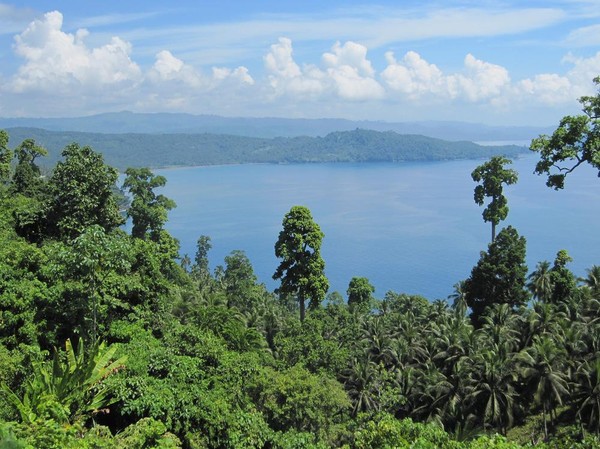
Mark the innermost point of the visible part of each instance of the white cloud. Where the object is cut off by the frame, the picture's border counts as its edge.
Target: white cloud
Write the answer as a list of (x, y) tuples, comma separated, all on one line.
[(413, 76), (285, 76), (416, 78), (588, 36), (352, 73), (351, 55), (554, 89), (55, 60), (348, 73), (481, 80)]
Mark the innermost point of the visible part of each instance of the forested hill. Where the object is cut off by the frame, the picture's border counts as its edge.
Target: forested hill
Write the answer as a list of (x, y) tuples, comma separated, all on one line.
[(166, 150)]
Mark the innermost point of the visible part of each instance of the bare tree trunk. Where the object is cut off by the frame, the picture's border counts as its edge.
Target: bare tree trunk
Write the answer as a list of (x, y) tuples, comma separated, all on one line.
[(302, 309)]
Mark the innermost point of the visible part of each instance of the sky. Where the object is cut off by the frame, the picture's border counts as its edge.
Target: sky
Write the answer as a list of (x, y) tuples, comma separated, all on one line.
[(493, 62)]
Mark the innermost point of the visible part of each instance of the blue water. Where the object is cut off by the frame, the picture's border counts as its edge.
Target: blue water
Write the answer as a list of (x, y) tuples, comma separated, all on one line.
[(407, 227)]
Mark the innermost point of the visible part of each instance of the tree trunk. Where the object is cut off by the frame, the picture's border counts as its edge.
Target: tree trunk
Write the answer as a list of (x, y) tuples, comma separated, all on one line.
[(302, 309), (493, 231), (545, 422)]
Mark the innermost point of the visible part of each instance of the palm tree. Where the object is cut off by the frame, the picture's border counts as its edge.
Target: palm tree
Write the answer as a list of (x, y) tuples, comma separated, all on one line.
[(450, 393), (363, 386), (493, 395), (545, 375), (540, 282), (377, 340), (542, 319), (459, 299), (501, 325), (592, 280), (587, 393)]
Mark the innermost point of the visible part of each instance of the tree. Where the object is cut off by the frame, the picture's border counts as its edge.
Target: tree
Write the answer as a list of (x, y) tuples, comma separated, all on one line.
[(81, 195), (27, 178), (203, 246), (576, 141), (492, 176), (564, 283), (148, 211), (5, 157), (301, 269), (240, 281), (540, 282), (499, 276), (545, 374), (360, 292)]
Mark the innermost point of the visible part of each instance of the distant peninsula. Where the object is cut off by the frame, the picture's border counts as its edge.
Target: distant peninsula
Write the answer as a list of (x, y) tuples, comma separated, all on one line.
[(124, 150)]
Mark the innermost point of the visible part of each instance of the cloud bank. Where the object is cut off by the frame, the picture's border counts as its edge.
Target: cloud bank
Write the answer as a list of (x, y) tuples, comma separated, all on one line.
[(61, 74)]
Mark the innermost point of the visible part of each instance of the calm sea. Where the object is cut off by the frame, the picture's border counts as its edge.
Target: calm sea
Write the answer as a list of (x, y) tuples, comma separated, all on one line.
[(407, 227)]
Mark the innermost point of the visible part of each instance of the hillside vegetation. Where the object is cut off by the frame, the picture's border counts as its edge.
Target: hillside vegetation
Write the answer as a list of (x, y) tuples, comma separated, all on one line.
[(167, 150)]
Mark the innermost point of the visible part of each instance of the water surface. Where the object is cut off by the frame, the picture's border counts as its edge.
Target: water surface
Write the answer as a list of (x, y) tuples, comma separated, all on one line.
[(408, 227)]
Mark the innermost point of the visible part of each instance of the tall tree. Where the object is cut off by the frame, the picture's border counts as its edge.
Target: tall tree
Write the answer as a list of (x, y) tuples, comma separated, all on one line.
[(499, 276), (302, 268), (5, 157), (492, 175), (148, 211), (27, 178), (576, 141), (81, 191), (564, 282), (203, 246)]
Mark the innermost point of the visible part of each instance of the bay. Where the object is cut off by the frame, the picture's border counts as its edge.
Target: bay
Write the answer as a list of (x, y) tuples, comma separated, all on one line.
[(408, 227)]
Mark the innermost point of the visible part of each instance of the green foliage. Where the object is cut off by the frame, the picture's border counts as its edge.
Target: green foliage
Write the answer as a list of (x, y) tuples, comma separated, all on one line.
[(573, 143), (148, 210), (168, 150), (6, 156), (27, 178), (360, 293), (499, 276), (218, 362), (69, 390), (492, 175), (296, 399), (301, 269), (81, 195)]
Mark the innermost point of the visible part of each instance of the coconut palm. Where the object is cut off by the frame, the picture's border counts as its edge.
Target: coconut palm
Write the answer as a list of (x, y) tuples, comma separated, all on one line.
[(587, 394), (592, 280), (363, 385), (493, 395), (545, 375), (540, 282)]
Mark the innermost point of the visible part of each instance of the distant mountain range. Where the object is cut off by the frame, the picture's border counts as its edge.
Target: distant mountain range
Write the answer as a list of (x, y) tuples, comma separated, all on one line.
[(168, 123), (153, 150)]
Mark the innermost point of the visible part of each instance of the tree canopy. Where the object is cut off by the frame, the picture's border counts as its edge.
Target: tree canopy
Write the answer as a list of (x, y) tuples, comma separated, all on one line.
[(492, 175), (576, 141), (302, 268)]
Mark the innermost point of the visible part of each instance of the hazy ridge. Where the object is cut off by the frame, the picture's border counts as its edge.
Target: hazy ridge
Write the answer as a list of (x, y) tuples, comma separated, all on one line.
[(171, 123), (124, 150)]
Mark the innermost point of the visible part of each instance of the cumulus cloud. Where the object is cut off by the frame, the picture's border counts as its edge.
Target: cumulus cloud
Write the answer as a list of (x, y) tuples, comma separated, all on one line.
[(347, 73), (413, 76), (480, 81), (554, 89), (352, 73), (416, 78), (58, 60), (286, 77), (58, 64)]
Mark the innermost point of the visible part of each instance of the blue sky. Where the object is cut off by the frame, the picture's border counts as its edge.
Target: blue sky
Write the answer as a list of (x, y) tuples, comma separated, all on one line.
[(494, 62)]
